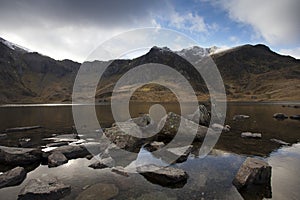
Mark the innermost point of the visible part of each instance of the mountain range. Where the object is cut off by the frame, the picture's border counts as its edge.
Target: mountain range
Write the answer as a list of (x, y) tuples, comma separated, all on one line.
[(249, 72)]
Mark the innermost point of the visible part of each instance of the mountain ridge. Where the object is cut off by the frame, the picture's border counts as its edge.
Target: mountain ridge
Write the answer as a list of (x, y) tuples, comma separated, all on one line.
[(250, 72)]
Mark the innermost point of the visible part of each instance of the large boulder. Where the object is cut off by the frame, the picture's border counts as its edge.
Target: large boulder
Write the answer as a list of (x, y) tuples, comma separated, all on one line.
[(12, 177), (99, 191), (48, 188), (251, 135), (56, 159), (19, 156), (253, 171), (164, 176), (201, 116), (122, 139), (72, 151), (169, 127)]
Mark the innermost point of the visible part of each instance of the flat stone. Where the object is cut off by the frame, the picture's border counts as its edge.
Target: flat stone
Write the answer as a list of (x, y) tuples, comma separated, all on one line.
[(279, 141), (164, 176), (48, 188), (56, 159), (19, 156), (103, 163), (253, 171), (251, 135), (240, 117), (12, 177), (100, 191)]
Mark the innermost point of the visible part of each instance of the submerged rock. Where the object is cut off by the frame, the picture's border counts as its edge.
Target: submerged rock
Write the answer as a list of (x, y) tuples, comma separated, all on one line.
[(56, 159), (3, 136), (251, 135), (239, 117), (253, 171), (19, 156), (12, 177), (47, 188), (103, 163), (99, 191), (164, 176), (156, 195), (280, 116)]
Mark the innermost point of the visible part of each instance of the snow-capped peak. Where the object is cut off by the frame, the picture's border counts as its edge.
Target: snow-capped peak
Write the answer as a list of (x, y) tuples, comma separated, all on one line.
[(13, 46)]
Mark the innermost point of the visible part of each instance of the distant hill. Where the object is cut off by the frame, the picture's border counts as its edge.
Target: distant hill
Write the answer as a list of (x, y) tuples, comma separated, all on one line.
[(249, 72)]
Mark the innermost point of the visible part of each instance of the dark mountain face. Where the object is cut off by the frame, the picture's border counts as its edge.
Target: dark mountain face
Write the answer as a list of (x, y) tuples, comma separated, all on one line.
[(249, 73)]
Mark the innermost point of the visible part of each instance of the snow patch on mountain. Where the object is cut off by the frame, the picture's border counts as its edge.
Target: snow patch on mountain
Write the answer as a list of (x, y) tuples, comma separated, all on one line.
[(14, 46)]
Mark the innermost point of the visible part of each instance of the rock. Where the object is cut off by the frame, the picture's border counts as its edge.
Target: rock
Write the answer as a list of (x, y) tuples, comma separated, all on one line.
[(181, 152), (24, 142), (72, 152), (89, 157), (122, 139), (202, 115), (295, 117), (251, 135), (239, 117), (103, 163), (3, 136), (99, 191), (47, 188), (19, 156), (25, 128), (120, 170), (143, 121), (57, 144), (280, 116), (219, 127), (56, 159), (12, 177), (164, 176), (153, 146), (279, 141), (169, 128), (253, 171)]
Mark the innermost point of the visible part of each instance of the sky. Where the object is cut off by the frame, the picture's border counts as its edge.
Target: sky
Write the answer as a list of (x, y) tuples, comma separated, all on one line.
[(72, 29)]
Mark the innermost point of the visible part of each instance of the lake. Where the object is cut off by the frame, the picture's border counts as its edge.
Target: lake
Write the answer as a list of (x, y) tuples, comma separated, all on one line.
[(209, 177)]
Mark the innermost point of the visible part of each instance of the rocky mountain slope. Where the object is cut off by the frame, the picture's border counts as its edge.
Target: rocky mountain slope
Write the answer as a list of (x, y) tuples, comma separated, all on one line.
[(249, 72)]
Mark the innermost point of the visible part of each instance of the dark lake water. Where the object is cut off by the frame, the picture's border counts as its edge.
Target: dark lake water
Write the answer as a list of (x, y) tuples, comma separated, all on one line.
[(209, 177)]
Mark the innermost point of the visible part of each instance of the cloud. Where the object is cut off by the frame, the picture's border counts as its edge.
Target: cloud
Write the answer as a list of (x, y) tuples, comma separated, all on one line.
[(295, 52), (188, 22), (277, 21), (73, 28)]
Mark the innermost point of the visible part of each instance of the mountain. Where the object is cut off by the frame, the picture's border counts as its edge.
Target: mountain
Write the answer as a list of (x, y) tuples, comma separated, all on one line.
[(249, 73)]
